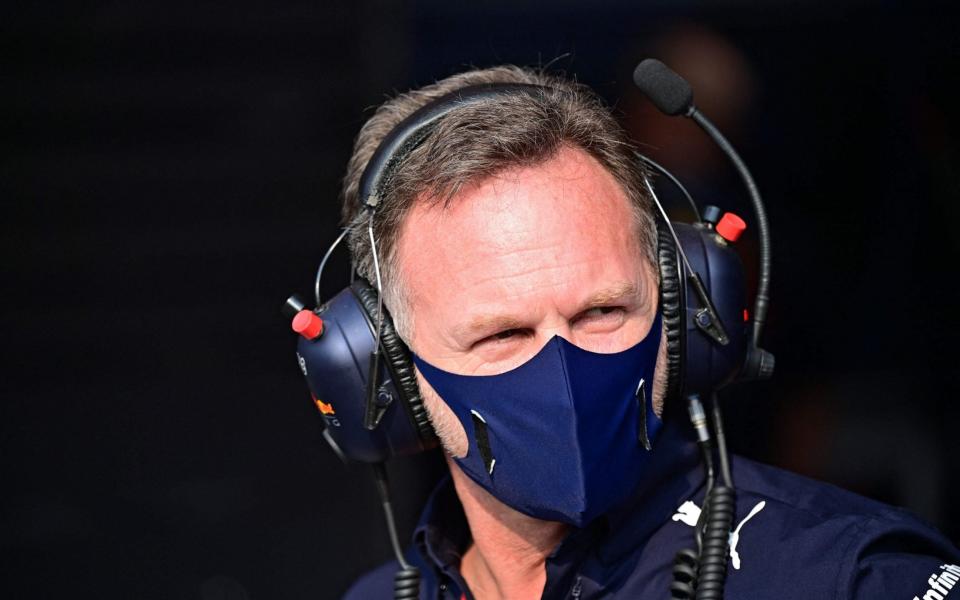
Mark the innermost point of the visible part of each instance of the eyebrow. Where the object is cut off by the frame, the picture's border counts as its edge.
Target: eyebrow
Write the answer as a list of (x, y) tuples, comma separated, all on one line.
[(614, 293), (493, 323)]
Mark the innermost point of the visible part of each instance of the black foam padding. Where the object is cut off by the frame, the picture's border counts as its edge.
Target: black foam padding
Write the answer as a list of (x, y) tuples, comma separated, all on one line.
[(669, 92), (398, 360), (671, 307)]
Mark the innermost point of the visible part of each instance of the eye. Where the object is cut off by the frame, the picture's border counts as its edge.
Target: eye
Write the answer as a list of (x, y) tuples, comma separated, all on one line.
[(600, 319), (507, 335)]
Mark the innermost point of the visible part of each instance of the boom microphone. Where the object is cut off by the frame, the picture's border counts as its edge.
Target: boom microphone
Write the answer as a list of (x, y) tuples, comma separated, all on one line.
[(672, 95), (669, 92)]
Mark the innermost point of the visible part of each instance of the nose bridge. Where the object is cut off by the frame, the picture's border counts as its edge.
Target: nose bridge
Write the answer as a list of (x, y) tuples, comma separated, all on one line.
[(554, 324)]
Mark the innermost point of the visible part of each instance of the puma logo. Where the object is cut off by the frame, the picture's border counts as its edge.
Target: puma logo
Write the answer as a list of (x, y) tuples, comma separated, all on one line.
[(689, 513)]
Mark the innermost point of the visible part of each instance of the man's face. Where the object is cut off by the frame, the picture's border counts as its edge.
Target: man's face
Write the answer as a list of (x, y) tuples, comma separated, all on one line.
[(516, 259)]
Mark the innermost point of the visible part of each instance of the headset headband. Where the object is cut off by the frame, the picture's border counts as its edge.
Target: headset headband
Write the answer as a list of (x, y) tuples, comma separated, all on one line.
[(409, 133)]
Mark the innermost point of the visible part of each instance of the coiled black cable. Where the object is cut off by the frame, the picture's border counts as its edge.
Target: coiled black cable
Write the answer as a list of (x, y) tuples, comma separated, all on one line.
[(685, 567), (701, 574), (719, 511), (718, 507), (406, 583)]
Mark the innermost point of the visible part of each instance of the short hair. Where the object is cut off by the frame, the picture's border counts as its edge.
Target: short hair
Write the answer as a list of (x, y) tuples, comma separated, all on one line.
[(477, 141)]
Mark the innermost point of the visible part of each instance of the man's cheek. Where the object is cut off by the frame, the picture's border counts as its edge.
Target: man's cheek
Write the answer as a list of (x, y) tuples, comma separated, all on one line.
[(448, 427)]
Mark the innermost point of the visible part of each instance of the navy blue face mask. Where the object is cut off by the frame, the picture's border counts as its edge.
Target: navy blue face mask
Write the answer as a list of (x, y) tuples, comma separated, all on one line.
[(563, 437)]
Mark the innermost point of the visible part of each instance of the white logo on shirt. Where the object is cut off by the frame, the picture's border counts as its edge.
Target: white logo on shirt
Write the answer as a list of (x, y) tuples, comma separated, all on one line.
[(735, 536), (941, 583), (689, 514)]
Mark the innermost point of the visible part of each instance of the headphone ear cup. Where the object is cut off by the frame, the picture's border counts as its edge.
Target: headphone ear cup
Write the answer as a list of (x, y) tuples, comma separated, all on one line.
[(672, 310), (399, 362)]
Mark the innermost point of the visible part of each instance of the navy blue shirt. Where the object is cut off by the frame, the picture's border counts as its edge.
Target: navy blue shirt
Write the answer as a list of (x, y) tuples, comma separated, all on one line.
[(793, 538)]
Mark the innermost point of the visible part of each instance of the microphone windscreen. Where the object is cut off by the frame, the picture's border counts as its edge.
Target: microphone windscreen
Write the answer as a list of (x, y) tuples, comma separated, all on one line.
[(668, 91)]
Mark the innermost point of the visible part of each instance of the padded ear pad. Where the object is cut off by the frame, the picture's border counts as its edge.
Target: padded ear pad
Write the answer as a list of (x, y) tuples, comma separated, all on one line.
[(671, 306), (398, 361)]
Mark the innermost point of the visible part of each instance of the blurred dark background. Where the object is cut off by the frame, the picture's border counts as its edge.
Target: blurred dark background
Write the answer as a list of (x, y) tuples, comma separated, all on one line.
[(169, 174)]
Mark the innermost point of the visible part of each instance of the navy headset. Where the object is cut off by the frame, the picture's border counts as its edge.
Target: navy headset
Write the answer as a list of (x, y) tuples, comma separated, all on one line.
[(371, 405), (360, 373)]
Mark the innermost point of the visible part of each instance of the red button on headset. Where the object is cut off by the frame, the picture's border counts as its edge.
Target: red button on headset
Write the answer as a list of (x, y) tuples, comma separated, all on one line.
[(307, 324), (730, 227)]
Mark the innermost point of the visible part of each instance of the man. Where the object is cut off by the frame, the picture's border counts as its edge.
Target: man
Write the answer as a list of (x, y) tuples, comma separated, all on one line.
[(517, 243)]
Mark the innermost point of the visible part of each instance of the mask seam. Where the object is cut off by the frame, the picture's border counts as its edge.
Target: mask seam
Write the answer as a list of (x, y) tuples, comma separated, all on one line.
[(582, 492)]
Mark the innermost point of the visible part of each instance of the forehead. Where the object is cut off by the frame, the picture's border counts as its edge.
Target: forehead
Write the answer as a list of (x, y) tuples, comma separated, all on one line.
[(539, 227)]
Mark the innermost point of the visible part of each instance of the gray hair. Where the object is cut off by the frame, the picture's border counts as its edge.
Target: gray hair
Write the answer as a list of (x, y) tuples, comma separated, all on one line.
[(475, 142)]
